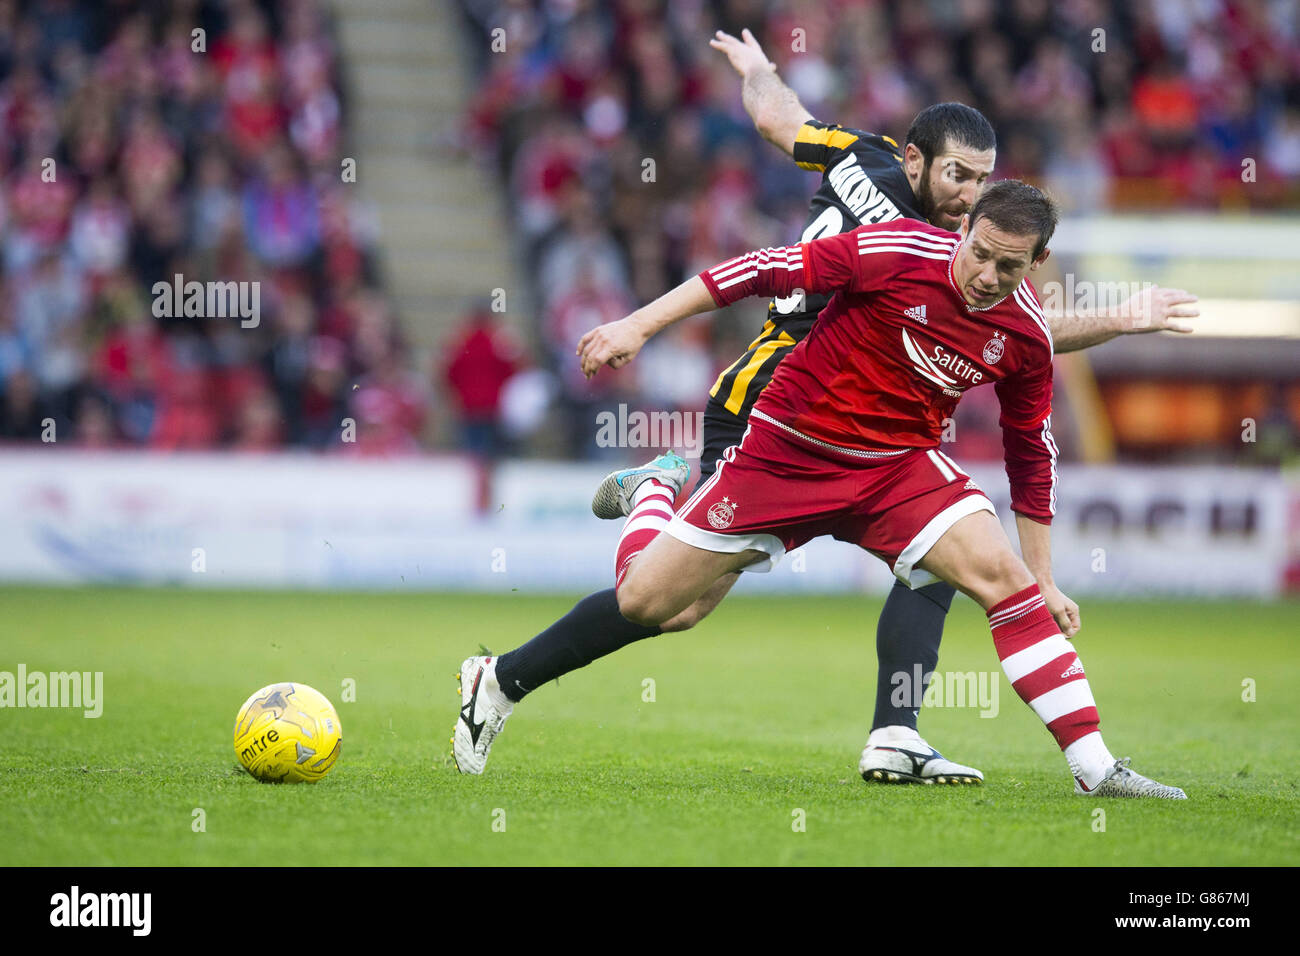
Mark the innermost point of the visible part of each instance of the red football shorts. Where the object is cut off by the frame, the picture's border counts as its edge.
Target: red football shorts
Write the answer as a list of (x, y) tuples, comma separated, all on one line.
[(774, 492)]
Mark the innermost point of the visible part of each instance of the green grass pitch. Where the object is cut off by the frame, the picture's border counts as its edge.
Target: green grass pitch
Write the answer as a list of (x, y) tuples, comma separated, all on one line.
[(759, 713)]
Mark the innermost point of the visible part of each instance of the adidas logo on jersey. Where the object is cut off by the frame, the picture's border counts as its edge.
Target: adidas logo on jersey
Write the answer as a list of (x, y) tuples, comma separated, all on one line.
[(916, 312), (1075, 668)]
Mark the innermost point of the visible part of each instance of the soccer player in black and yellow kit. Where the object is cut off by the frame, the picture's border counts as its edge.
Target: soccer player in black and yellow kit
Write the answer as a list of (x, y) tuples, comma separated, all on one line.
[(936, 176)]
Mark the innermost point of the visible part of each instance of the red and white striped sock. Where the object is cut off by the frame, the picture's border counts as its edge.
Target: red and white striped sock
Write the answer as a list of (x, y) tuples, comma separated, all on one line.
[(1048, 675), (652, 509)]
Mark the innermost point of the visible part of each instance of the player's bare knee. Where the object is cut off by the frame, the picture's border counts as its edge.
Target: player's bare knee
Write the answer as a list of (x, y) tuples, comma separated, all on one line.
[(994, 576), (639, 606), (1007, 574), (631, 604)]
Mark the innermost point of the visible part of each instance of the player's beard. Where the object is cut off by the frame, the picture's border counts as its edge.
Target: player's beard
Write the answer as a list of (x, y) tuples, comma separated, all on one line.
[(925, 195), (925, 203)]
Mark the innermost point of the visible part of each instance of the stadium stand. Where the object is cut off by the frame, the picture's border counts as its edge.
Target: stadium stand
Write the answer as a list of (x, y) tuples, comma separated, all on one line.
[(1114, 106), (127, 160), (143, 141)]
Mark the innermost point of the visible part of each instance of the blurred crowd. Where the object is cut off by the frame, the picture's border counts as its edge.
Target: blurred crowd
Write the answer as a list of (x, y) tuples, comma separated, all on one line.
[(140, 141), (632, 164)]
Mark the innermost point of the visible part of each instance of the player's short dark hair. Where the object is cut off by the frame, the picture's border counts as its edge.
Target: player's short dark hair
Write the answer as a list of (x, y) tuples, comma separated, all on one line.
[(1018, 208), (944, 124)]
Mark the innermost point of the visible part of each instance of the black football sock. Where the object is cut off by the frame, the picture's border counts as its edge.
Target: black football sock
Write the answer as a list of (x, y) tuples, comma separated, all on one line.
[(591, 630), (907, 644)]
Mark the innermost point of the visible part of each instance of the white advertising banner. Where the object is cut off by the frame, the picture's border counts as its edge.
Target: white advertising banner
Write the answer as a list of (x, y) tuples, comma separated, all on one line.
[(301, 521), (227, 520)]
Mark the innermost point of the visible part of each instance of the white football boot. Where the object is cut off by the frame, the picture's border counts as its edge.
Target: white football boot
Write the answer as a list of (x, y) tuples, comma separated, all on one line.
[(1123, 782), (900, 755), (483, 712), (613, 499)]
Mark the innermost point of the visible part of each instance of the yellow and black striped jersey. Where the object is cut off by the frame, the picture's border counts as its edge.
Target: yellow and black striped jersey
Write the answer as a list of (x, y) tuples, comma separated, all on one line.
[(862, 181)]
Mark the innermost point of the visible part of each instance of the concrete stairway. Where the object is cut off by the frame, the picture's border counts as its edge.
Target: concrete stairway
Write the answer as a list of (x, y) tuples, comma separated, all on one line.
[(443, 231)]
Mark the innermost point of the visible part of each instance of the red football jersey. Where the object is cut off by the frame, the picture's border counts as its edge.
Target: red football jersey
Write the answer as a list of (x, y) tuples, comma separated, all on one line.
[(891, 354)]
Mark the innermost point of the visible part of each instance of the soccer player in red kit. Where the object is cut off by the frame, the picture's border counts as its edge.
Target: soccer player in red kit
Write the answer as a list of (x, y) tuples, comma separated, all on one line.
[(845, 442)]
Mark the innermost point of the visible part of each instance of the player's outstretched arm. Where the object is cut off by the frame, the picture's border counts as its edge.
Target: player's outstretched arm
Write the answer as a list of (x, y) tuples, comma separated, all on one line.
[(773, 106), (1036, 550), (1154, 309), (826, 265), (617, 343)]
